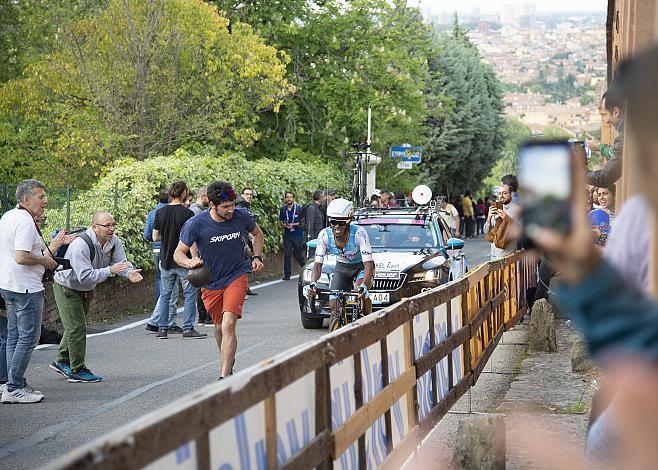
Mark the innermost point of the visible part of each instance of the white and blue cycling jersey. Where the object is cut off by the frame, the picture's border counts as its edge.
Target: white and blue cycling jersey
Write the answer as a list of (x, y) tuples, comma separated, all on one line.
[(356, 251)]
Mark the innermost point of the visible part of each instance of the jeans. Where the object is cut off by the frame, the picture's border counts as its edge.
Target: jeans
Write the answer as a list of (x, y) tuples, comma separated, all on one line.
[(24, 313), (169, 278), (292, 245), (173, 301), (3, 349)]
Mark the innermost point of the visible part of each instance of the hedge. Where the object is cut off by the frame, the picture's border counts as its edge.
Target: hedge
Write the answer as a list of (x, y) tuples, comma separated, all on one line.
[(137, 185)]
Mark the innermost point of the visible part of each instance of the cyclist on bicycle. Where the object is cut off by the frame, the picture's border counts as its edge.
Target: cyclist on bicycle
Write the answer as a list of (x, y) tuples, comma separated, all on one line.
[(355, 267)]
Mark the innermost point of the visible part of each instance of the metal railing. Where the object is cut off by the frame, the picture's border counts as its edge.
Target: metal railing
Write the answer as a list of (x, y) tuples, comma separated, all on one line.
[(366, 394)]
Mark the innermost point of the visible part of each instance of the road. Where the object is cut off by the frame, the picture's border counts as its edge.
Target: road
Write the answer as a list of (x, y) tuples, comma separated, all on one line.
[(142, 374)]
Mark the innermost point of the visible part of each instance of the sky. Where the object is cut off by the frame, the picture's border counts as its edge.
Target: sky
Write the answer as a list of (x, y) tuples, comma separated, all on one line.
[(467, 6)]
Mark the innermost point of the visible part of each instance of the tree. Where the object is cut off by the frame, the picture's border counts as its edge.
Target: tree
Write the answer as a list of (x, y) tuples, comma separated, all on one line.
[(465, 116), (514, 133), (141, 78), (345, 56)]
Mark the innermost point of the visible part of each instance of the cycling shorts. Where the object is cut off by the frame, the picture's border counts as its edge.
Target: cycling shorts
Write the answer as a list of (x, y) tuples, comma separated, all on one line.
[(345, 276)]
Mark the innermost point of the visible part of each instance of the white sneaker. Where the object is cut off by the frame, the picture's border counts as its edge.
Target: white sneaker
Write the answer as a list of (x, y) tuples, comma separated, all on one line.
[(20, 395)]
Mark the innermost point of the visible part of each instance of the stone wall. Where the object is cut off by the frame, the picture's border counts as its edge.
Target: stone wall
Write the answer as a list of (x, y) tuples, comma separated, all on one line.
[(118, 297)]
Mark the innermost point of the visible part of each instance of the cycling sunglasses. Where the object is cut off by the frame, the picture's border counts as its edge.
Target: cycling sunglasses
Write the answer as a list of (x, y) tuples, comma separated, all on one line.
[(338, 223)]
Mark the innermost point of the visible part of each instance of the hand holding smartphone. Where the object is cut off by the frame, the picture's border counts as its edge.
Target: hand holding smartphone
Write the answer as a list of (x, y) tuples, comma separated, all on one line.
[(545, 179)]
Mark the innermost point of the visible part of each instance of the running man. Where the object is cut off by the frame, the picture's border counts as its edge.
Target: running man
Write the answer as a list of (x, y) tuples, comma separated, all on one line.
[(218, 234), (355, 267)]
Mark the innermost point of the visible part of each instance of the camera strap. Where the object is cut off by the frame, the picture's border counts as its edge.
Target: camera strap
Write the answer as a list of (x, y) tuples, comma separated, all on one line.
[(38, 231)]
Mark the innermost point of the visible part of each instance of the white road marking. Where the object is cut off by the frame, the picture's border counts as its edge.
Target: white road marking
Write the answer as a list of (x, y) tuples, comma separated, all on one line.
[(130, 326)]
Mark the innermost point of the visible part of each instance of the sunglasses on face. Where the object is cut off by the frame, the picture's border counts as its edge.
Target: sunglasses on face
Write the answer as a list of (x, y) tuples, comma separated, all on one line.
[(338, 223)]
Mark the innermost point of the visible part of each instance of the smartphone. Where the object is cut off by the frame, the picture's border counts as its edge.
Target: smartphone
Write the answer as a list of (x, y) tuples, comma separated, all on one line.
[(581, 149), (498, 205), (545, 183)]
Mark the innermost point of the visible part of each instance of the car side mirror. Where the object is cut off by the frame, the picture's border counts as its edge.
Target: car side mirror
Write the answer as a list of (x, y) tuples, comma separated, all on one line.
[(454, 244), (312, 243)]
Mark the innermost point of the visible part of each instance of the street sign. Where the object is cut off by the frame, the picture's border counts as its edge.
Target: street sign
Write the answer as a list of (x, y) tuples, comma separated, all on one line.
[(405, 165), (407, 153)]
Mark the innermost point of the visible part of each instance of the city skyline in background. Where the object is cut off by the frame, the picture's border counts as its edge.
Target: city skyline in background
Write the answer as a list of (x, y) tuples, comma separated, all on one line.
[(434, 7)]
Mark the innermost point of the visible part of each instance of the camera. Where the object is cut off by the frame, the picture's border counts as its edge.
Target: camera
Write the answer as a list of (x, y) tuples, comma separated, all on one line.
[(62, 264)]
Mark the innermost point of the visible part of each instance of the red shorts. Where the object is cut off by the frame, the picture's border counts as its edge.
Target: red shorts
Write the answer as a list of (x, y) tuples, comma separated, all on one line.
[(229, 299)]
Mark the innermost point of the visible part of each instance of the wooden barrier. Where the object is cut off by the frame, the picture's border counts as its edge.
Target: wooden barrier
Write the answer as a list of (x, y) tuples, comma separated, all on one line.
[(373, 389)]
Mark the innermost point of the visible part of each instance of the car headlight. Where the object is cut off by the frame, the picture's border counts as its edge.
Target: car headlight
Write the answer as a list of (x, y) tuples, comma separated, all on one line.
[(324, 277), (430, 275)]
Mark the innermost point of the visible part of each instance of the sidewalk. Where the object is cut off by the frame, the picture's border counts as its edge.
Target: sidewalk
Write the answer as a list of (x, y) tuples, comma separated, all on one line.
[(539, 384)]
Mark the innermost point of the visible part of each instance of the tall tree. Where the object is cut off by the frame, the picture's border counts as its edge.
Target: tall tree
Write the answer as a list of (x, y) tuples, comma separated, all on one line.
[(464, 117), (345, 56), (144, 77)]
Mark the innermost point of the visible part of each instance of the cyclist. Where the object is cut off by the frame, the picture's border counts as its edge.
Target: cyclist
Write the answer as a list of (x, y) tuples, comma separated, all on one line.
[(354, 265)]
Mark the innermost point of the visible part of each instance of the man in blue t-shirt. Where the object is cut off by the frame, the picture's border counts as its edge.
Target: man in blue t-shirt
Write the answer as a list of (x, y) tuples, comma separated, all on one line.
[(218, 234), (293, 234)]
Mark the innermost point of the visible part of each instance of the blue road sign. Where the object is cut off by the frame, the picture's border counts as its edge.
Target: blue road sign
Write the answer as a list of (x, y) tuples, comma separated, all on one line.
[(407, 154)]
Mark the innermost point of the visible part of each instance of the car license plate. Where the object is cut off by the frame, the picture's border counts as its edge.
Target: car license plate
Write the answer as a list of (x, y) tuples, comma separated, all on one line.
[(380, 297)]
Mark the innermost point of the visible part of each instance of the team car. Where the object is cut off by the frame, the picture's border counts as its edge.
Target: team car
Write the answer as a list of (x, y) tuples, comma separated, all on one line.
[(413, 251)]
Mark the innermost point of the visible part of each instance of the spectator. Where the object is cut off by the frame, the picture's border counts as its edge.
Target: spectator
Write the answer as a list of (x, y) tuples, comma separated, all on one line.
[(469, 214), (188, 202), (496, 216), (594, 195), (3, 345), (23, 265), (199, 206), (619, 322), (487, 205), (330, 195), (201, 203), (606, 198), (219, 235), (74, 288), (387, 199), (613, 106), (167, 228), (513, 182), (244, 200), (152, 322), (293, 235), (374, 201), (314, 219), (480, 210), (400, 200), (449, 213)]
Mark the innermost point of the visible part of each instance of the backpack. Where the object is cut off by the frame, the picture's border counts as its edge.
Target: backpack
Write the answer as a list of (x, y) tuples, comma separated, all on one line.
[(81, 232), (302, 215)]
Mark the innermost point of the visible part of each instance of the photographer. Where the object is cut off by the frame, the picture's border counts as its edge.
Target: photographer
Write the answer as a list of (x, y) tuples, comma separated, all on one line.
[(23, 266), (74, 288)]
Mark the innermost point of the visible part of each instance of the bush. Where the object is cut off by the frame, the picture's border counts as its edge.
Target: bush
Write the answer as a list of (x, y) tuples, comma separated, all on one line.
[(136, 186)]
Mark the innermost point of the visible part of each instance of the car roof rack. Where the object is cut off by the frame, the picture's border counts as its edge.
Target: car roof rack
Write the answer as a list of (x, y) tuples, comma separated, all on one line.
[(423, 211)]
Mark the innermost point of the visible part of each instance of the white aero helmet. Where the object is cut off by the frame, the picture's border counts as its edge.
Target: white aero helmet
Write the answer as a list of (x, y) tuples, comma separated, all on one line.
[(340, 209)]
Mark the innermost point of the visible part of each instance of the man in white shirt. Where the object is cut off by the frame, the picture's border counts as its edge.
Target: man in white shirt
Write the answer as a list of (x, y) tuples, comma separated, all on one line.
[(23, 264), (449, 213)]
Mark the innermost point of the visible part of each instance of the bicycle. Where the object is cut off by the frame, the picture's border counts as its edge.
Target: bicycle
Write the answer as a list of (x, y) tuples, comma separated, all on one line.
[(345, 299)]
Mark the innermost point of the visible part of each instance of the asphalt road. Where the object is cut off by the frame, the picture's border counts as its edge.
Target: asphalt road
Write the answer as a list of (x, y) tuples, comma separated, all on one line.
[(142, 374)]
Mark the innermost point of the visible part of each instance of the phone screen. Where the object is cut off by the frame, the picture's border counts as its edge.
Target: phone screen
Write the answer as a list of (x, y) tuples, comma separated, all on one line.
[(545, 185)]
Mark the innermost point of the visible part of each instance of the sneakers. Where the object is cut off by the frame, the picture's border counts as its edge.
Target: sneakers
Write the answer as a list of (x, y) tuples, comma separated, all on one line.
[(162, 333), (175, 330), (250, 292), (151, 328), (21, 395), (61, 368), (193, 334), (84, 375)]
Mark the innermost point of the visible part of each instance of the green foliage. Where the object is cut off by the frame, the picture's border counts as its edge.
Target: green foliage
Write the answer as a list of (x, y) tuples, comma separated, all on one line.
[(345, 56), (137, 184), (514, 133), (139, 79), (465, 117)]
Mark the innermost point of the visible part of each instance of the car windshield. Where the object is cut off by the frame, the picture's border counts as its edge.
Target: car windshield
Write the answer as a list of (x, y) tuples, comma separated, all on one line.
[(400, 233)]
